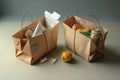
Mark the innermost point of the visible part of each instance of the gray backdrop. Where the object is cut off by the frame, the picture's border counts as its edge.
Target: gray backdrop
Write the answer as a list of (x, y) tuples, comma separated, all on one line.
[(105, 10)]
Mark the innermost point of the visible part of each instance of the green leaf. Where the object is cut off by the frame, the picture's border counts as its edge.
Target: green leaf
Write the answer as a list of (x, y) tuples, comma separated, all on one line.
[(87, 34)]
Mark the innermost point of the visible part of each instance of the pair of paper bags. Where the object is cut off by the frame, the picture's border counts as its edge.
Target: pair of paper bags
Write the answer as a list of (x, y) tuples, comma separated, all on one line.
[(35, 48)]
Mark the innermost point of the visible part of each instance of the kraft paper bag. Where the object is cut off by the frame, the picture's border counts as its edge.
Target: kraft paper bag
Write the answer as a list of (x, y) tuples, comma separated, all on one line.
[(82, 45), (32, 49)]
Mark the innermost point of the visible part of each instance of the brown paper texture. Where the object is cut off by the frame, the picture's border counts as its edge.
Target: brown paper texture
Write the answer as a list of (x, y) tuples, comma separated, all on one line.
[(32, 49), (80, 44)]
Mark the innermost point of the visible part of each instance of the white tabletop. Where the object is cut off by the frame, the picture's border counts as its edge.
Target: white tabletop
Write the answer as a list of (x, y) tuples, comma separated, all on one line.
[(106, 68)]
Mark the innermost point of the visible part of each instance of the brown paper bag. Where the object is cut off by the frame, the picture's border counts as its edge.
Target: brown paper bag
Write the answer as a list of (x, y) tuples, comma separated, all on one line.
[(80, 44), (32, 49)]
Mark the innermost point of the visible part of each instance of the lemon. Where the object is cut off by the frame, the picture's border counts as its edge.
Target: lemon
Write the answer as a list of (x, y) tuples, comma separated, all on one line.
[(66, 56)]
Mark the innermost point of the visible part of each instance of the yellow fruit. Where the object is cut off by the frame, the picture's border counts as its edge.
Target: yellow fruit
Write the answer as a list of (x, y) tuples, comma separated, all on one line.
[(79, 30), (66, 56)]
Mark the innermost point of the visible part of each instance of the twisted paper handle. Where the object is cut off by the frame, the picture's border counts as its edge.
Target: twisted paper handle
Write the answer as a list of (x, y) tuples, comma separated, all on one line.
[(99, 26), (27, 14)]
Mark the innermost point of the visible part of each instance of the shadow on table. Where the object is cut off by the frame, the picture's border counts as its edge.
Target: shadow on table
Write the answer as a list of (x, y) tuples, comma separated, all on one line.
[(56, 53), (73, 61), (112, 57)]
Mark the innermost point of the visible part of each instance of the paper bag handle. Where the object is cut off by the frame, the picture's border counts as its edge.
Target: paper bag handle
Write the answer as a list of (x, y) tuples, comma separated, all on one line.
[(99, 26), (27, 14)]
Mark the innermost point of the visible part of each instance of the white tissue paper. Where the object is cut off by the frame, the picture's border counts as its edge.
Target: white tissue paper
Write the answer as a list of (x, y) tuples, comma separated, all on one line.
[(38, 30), (51, 21), (51, 18)]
